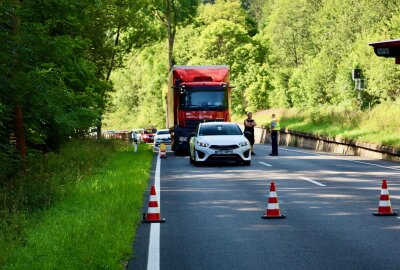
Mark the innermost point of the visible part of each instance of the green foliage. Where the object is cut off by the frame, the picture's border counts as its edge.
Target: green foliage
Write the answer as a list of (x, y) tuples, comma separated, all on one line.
[(91, 197), (315, 44), (56, 59), (222, 33), (139, 100), (375, 126)]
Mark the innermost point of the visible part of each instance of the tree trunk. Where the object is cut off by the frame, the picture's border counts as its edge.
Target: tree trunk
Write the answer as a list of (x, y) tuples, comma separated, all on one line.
[(18, 124), (110, 69), (171, 28), (98, 130), (112, 64), (19, 132)]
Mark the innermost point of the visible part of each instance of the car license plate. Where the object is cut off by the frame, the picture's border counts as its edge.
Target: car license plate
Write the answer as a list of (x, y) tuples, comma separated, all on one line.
[(223, 152)]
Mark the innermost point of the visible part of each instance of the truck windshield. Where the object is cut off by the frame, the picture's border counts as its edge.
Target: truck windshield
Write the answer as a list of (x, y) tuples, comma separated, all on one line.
[(205, 98)]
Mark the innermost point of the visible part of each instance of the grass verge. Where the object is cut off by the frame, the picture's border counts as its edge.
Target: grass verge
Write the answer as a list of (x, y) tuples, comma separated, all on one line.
[(379, 125), (92, 224)]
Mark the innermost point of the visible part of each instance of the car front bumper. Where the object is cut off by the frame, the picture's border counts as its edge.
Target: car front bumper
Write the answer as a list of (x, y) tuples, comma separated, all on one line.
[(159, 141), (209, 154)]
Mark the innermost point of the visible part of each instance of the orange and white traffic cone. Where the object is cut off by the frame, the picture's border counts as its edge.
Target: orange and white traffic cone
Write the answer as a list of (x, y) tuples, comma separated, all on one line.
[(153, 212), (273, 211), (163, 149), (385, 208)]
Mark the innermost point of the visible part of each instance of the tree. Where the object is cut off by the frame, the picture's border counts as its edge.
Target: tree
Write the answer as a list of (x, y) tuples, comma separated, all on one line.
[(172, 13)]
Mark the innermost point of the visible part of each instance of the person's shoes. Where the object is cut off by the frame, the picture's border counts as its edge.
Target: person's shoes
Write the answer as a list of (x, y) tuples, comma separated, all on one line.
[(253, 154), (273, 154)]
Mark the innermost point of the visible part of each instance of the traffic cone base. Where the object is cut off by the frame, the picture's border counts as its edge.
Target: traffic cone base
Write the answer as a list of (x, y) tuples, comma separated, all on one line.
[(384, 214), (272, 217), (152, 219), (385, 207)]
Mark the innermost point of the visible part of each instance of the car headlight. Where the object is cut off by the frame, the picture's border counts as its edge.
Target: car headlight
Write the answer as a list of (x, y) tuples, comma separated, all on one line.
[(244, 143), (203, 144)]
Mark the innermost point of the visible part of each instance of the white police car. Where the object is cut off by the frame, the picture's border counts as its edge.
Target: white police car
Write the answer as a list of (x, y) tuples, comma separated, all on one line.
[(219, 141)]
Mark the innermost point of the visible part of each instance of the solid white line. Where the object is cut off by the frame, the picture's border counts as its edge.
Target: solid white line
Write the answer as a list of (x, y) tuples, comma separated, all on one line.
[(266, 164), (312, 181), (153, 261)]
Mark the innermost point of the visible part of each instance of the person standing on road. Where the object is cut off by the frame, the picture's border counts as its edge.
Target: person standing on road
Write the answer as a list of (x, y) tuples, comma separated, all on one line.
[(274, 131), (249, 125)]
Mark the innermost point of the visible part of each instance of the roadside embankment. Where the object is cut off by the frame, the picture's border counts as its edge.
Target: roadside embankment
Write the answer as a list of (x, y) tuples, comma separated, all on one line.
[(329, 144)]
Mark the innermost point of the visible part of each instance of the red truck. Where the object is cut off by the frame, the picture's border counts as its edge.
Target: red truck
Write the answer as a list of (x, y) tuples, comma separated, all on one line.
[(196, 94)]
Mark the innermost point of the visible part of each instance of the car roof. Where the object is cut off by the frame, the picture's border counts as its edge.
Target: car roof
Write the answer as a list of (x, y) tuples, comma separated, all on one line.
[(217, 123)]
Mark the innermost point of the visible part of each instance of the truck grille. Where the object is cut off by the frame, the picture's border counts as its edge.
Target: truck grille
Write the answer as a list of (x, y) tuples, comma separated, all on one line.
[(192, 124), (224, 147)]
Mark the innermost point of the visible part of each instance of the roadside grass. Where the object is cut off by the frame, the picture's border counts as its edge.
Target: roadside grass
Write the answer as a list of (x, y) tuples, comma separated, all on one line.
[(379, 125), (92, 221)]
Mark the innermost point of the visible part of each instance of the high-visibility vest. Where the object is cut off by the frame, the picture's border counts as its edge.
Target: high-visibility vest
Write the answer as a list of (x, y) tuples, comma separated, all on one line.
[(277, 125)]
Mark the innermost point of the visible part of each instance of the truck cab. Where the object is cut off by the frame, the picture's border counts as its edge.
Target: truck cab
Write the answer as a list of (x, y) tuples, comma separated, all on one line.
[(196, 94)]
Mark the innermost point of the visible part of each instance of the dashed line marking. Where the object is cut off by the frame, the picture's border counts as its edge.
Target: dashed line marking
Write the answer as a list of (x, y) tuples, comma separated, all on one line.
[(338, 158), (266, 164), (312, 181)]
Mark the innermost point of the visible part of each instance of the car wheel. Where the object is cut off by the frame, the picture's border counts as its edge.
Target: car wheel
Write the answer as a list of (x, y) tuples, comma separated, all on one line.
[(247, 162), (195, 162)]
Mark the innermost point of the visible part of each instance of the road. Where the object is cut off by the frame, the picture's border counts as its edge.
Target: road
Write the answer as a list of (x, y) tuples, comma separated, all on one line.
[(213, 214)]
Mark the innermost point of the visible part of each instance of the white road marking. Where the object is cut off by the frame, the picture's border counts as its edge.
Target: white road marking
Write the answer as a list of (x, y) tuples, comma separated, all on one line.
[(312, 181), (153, 261), (332, 157), (266, 164)]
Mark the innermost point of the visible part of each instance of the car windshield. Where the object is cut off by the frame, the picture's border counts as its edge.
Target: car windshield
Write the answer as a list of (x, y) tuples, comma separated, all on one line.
[(162, 132), (215, 130), (209, 98), (149, 131)]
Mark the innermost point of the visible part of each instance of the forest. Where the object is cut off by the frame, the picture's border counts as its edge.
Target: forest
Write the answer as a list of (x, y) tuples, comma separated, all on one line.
[(68, 66), (71, 67), (282, 54)]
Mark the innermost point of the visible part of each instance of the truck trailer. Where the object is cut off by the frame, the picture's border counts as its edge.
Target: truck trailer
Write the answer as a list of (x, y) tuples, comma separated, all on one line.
[(196, 94)]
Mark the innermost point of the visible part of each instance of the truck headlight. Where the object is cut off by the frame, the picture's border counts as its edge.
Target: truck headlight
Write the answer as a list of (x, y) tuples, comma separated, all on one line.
[(203, 144), (245, 143)]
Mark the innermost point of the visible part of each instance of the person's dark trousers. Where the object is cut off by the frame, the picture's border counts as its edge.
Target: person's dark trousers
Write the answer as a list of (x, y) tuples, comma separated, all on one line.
[(274, 142)]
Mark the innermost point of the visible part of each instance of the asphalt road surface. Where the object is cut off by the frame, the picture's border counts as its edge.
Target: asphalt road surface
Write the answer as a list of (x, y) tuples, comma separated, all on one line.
[(213, 214)]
